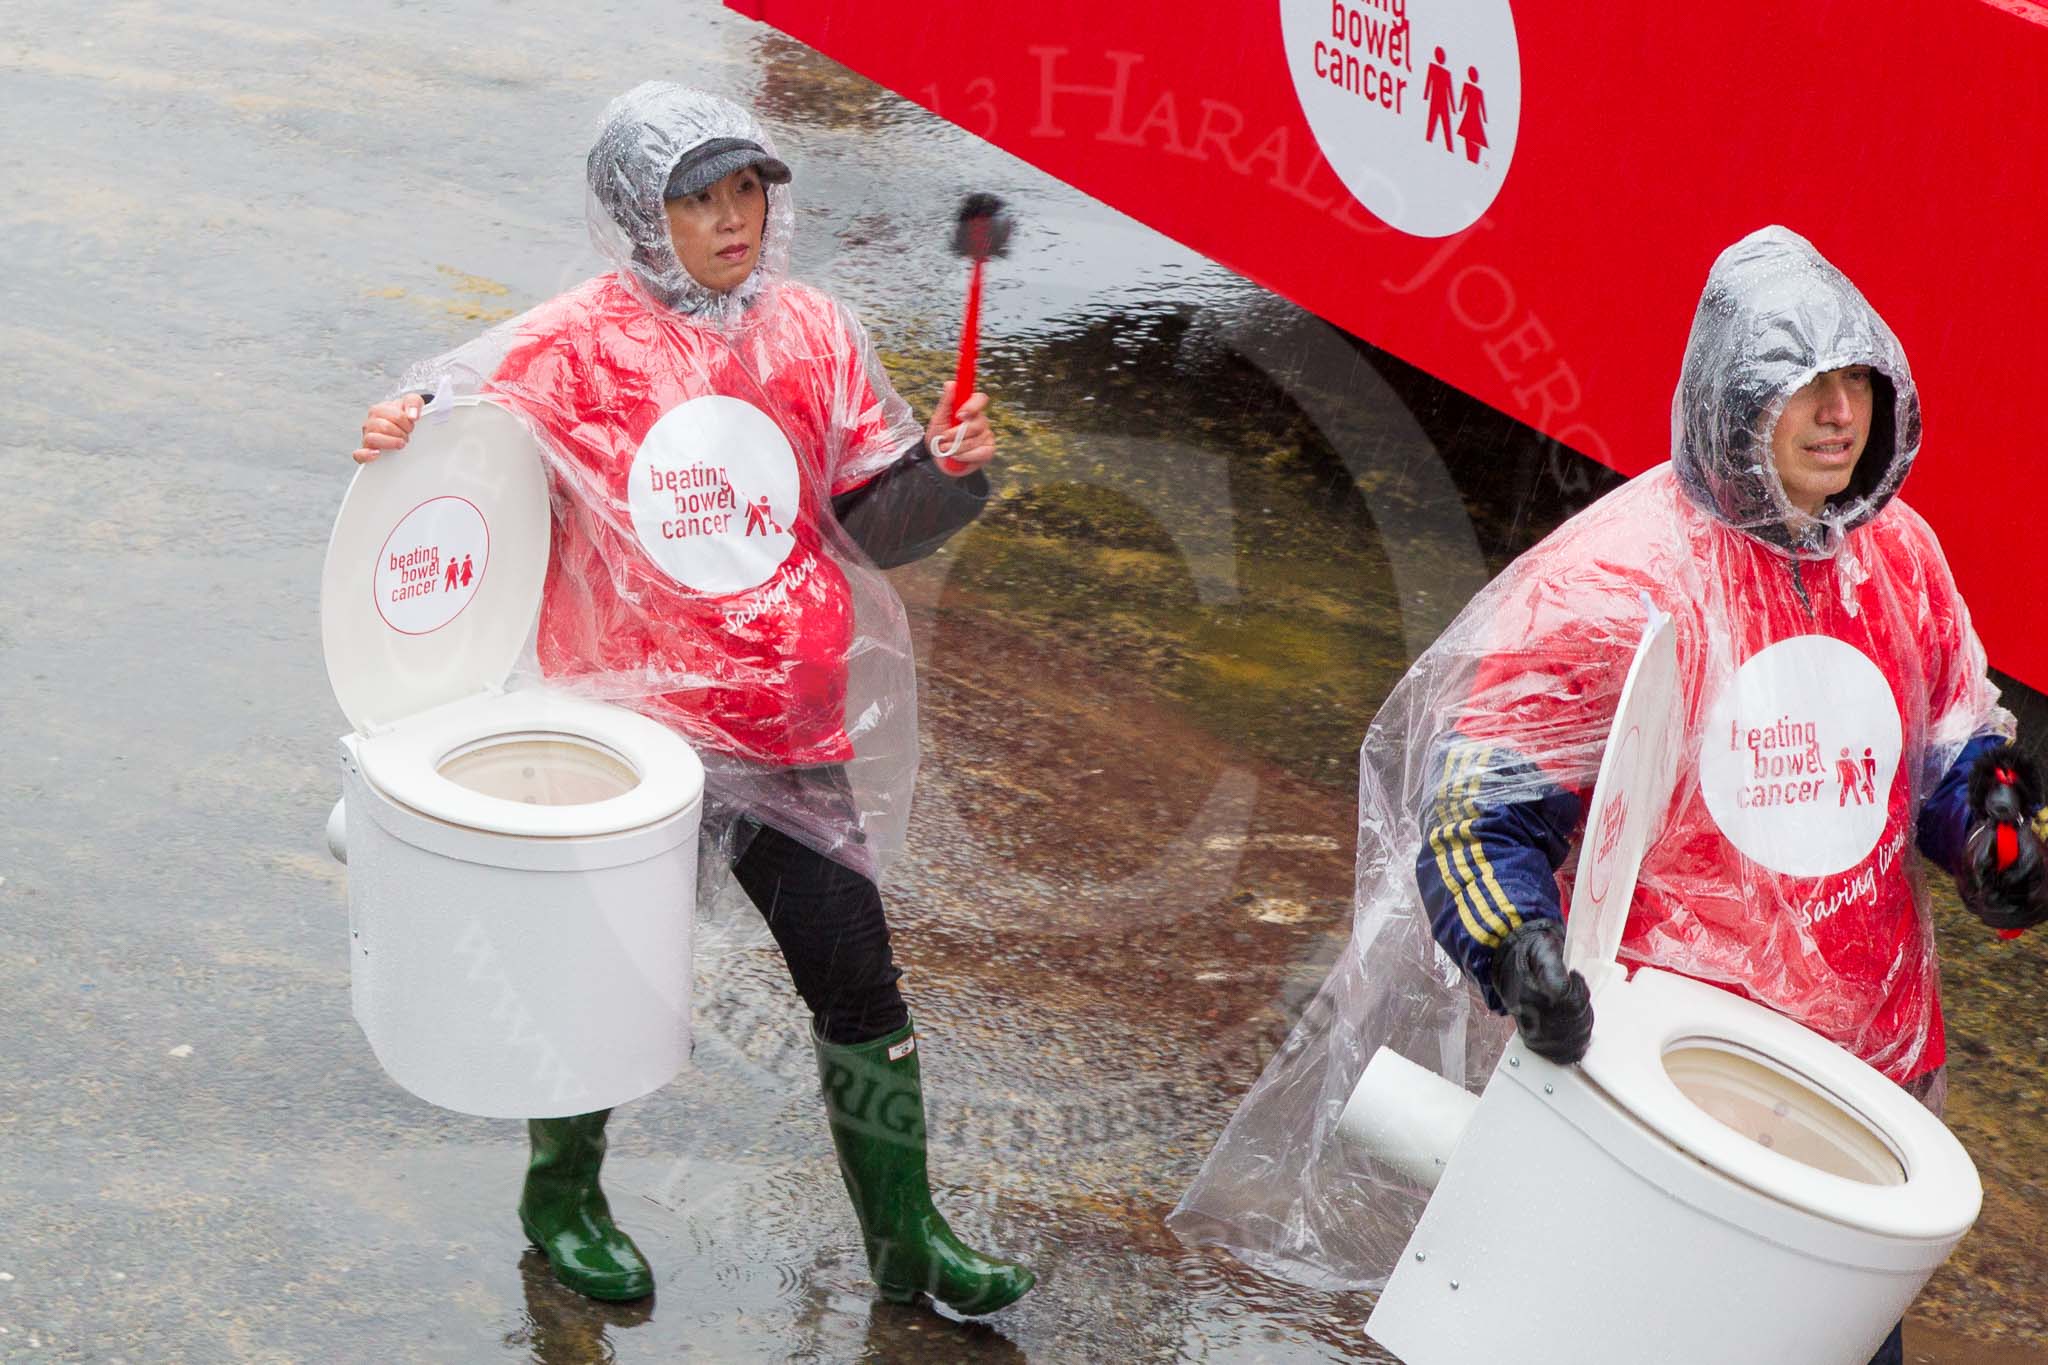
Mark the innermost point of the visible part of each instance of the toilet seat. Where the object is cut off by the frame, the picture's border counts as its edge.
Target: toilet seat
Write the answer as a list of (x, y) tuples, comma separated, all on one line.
[(1640, 1019), (405, 763), (1644, 1018), (432, 583), (436, 565)]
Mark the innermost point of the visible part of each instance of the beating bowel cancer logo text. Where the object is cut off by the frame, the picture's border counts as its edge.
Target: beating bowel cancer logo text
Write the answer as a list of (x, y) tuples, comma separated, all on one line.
[(1799, 755), (713, 492), (1415, 104), (1613, 818), (430, 566)]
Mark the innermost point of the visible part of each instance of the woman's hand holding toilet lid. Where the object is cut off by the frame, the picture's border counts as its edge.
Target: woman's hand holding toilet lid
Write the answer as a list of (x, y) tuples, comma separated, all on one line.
[(388, 426)]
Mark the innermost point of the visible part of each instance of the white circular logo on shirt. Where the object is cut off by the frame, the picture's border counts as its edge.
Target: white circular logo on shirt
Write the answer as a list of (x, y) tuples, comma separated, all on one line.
[(714, 493), (1799, 754), (1414, 103), (431, 565)]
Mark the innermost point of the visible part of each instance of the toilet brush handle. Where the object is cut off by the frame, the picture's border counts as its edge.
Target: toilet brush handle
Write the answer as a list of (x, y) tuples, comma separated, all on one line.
[(963, 372)]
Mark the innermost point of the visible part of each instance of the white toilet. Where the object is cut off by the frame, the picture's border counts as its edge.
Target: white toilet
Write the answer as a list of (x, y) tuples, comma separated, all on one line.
[(1713, 1183), (522, 865)]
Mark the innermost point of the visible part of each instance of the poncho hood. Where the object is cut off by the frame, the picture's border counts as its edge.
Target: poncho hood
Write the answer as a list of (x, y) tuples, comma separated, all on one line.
[(1774, 314), (644, 134)]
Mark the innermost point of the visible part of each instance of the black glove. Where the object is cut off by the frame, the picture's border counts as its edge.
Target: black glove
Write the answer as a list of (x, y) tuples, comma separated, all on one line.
[(1552, 1007), (2004, 878)]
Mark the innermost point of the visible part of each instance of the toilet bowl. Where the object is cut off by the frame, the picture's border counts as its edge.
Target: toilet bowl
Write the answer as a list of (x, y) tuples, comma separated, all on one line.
[(1712, 1183), (522, 864)]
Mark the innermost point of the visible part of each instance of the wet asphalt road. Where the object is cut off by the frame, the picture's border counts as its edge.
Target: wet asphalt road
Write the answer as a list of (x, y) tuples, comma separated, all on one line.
[(230, 227)]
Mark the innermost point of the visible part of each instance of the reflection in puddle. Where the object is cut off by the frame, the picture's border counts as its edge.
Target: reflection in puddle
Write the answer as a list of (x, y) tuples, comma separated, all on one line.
[(561, 1326)]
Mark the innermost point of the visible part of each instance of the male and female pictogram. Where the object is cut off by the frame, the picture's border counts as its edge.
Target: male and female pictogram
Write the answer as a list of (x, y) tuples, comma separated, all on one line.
[(1469, 103), (761, 518), (1858, 781)]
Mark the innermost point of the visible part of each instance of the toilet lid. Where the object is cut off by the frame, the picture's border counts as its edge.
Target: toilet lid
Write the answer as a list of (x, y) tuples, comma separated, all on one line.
[(1634, 786), (434, 568)]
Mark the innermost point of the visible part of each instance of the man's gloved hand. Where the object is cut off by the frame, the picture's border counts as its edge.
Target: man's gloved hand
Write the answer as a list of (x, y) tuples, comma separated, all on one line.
[(1552, 1007), (2004, 879)]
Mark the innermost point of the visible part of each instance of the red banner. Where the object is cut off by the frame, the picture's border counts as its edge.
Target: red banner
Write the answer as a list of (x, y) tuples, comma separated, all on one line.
[(1607, 156)]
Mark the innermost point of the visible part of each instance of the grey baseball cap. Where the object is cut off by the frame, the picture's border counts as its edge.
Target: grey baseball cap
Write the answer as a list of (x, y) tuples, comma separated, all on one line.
[(707, 163)]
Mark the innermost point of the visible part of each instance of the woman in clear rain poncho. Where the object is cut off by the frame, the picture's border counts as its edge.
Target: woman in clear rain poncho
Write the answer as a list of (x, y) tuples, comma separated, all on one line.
[(1836, 711), (730, 467)]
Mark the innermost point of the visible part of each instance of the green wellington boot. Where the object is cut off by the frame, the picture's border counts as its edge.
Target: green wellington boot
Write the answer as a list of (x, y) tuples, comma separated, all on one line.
[(565, 1214), (875, 1102)]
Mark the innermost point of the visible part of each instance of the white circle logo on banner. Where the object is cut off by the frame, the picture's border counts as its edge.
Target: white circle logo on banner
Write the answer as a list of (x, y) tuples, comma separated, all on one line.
[(1799, 754), (431, 565), (1414, 103), (713, 492)]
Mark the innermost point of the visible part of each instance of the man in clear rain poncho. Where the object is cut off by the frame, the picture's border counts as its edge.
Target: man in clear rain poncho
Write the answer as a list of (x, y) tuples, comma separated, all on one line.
[(1837, 715), (730, 467)]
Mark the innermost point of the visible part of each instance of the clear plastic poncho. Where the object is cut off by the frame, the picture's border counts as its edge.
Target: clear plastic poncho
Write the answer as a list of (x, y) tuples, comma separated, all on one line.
[(1829, 678), (696, 441)]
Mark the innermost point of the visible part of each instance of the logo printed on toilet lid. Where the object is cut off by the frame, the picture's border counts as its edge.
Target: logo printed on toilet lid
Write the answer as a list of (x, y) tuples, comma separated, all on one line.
[(1605, 829), (435, 566), (713, 492), (430, 566), (1799, 754)]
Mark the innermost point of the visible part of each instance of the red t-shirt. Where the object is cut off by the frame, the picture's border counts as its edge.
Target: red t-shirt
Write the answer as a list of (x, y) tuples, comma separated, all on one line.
[(694, 469), (1784, 867)]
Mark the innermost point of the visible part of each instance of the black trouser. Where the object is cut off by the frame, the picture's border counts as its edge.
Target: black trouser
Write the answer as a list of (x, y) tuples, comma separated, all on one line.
[(1893, 1352), (828, 921)]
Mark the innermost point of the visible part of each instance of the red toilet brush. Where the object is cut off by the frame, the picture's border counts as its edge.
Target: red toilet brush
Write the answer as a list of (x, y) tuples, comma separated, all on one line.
[(982, 231)]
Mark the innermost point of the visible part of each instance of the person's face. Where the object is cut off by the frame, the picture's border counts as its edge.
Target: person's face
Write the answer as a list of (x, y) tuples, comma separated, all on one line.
[(717, 231), (1821, 434)]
